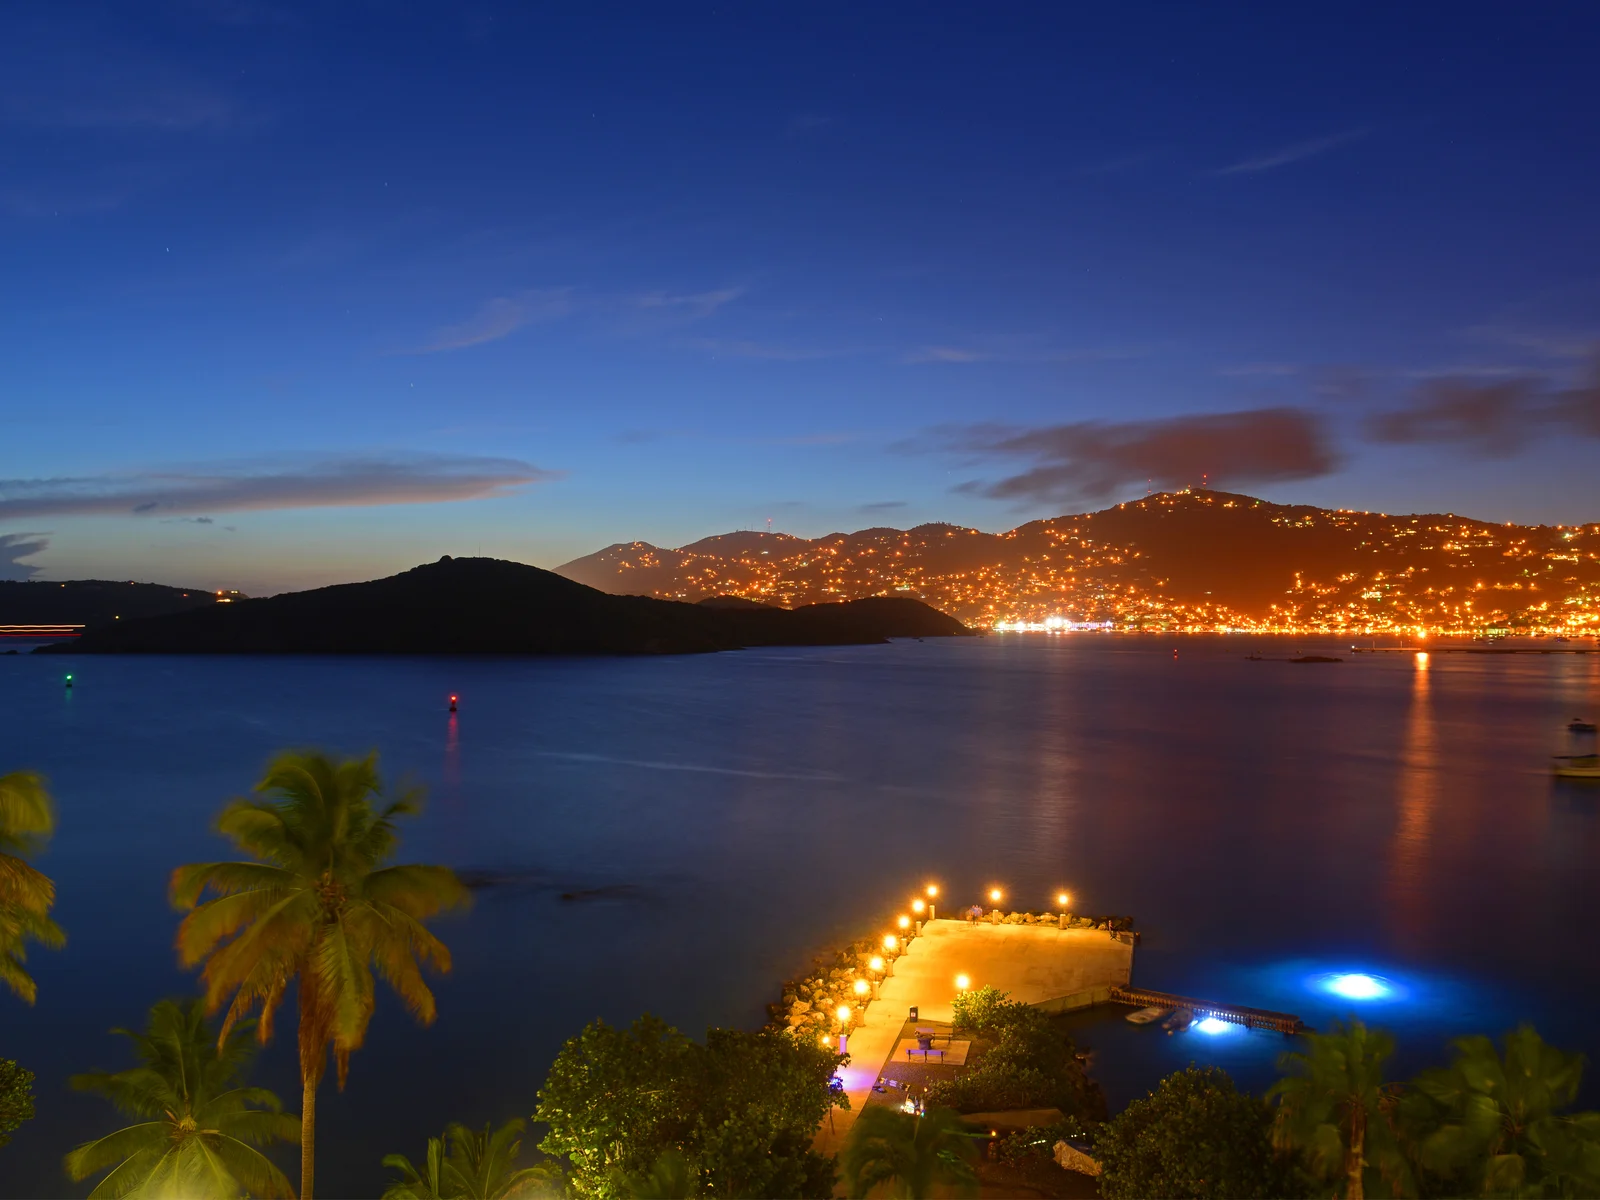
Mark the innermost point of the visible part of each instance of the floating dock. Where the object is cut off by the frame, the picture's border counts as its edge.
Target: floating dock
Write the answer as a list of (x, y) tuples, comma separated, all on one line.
[(1253, 1018)]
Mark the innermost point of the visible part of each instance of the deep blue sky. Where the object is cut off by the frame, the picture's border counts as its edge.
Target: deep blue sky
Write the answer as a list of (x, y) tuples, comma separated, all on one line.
[(294, 294)]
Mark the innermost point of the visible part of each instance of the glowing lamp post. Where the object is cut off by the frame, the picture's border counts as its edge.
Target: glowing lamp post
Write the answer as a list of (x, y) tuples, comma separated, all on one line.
[(904, 924), (933, 895), (875, 965), (963, 983), (1062, 900), (995, 896), (919, 906), (843, 1013)]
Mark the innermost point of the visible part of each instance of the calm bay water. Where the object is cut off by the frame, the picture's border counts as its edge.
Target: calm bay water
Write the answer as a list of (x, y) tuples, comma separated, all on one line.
[(721, 817)]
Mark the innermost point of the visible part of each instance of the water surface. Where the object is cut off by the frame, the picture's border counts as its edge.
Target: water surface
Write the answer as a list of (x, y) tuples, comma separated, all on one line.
[(720, 817)]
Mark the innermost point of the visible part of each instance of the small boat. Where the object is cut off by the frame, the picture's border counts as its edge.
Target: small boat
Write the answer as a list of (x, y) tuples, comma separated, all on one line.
[(1146, 1015), (1180, 1020), (1576, 766), (1579, 725)]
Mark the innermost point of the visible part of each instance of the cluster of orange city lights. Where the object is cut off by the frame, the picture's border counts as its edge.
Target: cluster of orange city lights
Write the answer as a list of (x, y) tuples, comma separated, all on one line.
[(1347, 573), (904, 927)]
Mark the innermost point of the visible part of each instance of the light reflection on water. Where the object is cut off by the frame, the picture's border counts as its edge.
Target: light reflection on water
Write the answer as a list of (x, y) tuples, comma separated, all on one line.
[(715, 819)]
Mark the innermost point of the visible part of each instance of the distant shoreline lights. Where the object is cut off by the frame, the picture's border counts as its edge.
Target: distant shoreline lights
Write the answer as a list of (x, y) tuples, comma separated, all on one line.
[(1052, 625)]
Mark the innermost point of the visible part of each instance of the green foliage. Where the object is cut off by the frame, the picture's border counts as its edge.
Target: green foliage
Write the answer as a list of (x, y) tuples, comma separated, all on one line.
[(978, 1010), (1038, 1142), (316, 905), (1335, 1109), (478, 1166), (742, 1109), (672, 1178), (27, 819), (906, 1155), (1029, 1062), (1492, 1124), (16, 1098), (198, 1128), (1195, 1136)]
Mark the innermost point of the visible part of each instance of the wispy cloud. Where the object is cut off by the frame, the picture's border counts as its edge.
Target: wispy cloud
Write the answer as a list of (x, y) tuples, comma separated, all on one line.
[(746, 348), (499, 317), (980, 354), (1093, 459), (1549, 343), (1259, 370), (881, 506), (1298, 152), (335, 483), (689, 305), (630, 314), (1492, 417), (16, 546)]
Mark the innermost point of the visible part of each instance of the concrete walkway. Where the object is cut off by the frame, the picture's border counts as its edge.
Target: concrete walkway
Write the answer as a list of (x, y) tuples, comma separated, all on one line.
[(1036, 964)]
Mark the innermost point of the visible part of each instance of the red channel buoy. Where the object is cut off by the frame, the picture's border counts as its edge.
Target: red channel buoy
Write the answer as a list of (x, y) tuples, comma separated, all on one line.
[(452, 704)]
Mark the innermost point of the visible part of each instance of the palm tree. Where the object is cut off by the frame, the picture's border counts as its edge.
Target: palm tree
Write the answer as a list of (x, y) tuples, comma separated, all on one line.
[(199, 1129), (433, 1182), (479, 1166), (27, 819), (317, 906), (1496, 1121), (908, 1155), (1334, 1105)]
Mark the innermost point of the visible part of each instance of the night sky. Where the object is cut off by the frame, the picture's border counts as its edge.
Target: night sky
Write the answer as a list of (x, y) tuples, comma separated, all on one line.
[(293, 294)]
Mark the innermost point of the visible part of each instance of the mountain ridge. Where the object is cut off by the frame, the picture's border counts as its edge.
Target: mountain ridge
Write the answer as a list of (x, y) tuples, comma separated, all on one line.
[(1193, 559)]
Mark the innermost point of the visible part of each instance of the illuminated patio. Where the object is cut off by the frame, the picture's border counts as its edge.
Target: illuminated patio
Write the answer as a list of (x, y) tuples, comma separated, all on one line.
[(1058, 969)]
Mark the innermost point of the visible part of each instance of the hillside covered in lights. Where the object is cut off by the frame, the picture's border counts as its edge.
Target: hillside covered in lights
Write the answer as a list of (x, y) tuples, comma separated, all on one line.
[(1194, 560)]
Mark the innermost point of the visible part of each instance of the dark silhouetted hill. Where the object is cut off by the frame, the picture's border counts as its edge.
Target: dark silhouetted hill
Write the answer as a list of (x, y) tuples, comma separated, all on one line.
[(488, 606), (94, 601)]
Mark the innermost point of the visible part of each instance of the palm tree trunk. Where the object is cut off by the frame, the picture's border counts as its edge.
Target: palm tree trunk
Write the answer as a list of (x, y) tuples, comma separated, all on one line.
[(1355, 1161), (308, 1134)]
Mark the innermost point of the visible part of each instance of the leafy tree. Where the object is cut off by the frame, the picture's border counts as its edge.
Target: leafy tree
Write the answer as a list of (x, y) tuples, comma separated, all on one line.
[(16, 1098), (317, 906), (1195, 1136), (742, 1109), (27, 819), (199, 1126), (671, 1178), (1335, 1108), (904, 1155), (1492, 1124), (479, 1166), (981, 1009), (1028, 1061)]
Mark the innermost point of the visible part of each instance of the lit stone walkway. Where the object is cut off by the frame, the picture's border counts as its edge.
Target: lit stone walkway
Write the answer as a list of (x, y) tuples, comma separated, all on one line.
[(1036, 964)]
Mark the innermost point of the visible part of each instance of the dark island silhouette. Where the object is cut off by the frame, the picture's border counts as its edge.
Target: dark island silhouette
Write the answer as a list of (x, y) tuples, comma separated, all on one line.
[(96, 601), (489, 606)]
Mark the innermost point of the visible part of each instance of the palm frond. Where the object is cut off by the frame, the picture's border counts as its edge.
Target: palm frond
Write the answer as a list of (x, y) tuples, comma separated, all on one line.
[(119, 1147)]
